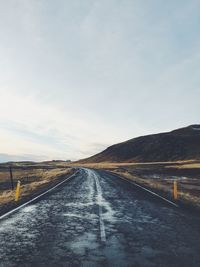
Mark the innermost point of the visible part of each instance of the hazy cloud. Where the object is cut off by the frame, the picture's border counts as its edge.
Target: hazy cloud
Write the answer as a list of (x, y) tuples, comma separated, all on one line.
[(77, 76)]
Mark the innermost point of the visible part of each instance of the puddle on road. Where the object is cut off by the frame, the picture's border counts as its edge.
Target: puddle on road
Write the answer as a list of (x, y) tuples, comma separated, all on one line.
[(79, 204), (18, 218), (30, 208), (109, 213), (115, 250), (86, 217), (83, 244), (73, 215)]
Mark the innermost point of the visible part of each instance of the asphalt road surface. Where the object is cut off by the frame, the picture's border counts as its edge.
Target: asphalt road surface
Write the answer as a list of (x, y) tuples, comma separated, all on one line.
[(97, 219)]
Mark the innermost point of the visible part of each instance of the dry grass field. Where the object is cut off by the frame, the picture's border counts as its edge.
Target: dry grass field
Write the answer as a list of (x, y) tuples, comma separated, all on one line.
[(159, 177), (34, 179), (37, 177)]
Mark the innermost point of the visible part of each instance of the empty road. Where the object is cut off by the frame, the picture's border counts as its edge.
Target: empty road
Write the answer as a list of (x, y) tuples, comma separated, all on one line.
[(97, 219)]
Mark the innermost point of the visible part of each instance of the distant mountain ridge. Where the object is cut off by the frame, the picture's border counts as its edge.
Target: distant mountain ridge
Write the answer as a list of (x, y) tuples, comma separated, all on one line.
[(179, 144)]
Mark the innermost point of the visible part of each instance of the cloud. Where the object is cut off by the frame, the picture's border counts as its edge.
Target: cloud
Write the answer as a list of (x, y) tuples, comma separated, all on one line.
[(29, 127), (77, 76), (29, 157)]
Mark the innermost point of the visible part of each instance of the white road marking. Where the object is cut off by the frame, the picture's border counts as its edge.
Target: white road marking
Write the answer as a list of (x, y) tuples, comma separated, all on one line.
[(99, 202), (35, 198)]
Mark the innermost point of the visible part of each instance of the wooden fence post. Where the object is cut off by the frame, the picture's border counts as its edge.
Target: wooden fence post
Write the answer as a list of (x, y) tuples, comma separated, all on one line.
[(11, 178)]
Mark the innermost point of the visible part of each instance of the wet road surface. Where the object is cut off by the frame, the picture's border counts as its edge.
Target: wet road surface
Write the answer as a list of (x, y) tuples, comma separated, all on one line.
[(96, 219)]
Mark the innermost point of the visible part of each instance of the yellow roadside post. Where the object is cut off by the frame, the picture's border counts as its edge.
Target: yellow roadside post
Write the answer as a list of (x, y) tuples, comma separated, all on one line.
[(17, 193), (175, 191)]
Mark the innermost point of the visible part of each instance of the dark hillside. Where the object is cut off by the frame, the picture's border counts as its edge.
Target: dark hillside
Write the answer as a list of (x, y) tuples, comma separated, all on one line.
[(180, 144)]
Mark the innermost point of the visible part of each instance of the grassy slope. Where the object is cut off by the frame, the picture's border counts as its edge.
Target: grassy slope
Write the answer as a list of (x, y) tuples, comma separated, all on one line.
[(180, 144)]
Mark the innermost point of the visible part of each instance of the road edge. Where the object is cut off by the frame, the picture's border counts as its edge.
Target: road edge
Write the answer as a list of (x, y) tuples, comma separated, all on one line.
[(37, 197), (145, 189)]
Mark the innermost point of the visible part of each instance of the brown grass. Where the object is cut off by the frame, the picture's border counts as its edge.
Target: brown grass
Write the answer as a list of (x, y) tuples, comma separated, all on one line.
[(188, 189), (32, 181), (110, 165), (142, 173)]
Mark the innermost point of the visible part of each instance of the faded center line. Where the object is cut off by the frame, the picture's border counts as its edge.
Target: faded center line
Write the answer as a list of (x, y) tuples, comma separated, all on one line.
[(99, 202)]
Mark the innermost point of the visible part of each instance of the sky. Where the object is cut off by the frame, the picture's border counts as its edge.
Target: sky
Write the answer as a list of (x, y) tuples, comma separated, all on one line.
[(78, 76)]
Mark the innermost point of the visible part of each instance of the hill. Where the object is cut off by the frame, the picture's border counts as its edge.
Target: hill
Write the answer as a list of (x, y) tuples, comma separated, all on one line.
[(180, 144)]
